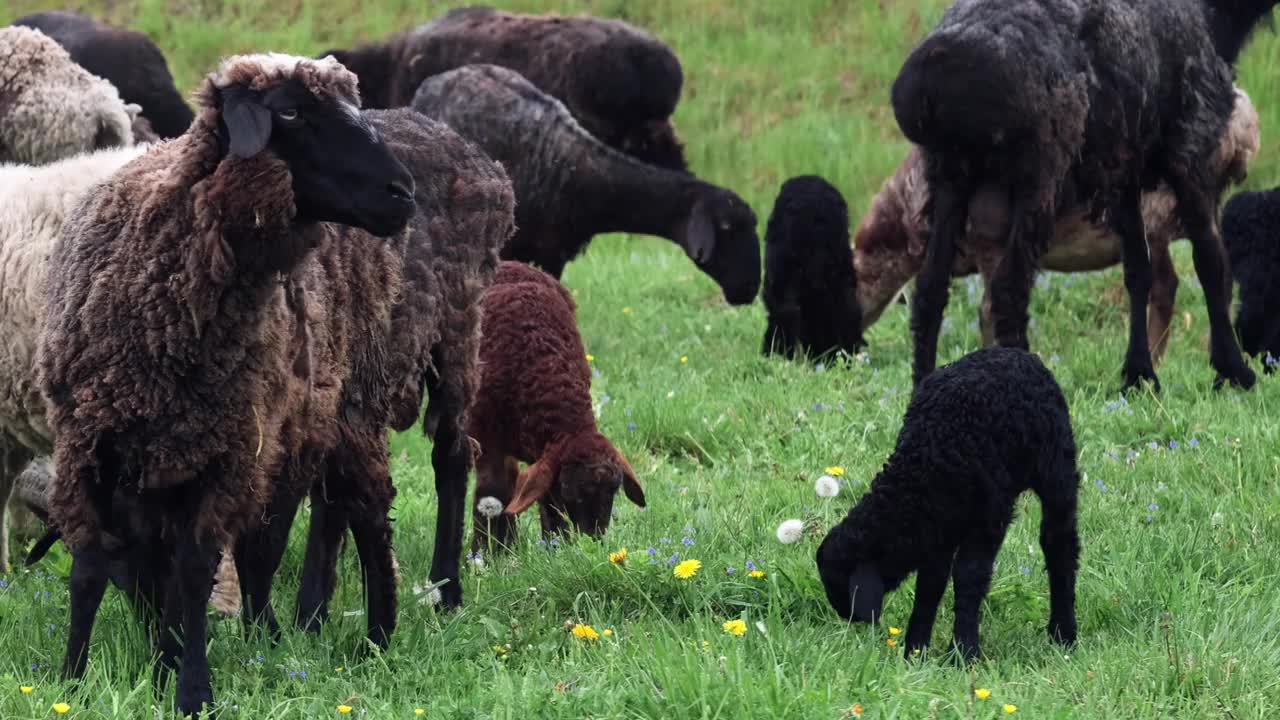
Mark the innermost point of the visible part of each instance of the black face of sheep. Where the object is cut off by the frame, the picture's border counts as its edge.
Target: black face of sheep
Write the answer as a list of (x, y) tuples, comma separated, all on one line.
[(855, 593), (721, 238), (342, 171)]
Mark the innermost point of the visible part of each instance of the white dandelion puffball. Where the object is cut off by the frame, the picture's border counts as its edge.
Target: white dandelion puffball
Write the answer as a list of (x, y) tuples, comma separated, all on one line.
[(790, 531), (489, 506), (434, 597), (827, 487)]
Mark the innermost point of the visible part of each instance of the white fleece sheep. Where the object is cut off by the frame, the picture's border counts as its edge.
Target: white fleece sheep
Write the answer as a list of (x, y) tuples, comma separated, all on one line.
[(50, 107)]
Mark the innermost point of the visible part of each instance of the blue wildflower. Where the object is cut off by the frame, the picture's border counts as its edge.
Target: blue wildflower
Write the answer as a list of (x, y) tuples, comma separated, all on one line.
[(631, 426), (1153, 506), (673, 559), (626, 411), (664, 541), (751, 565), (4, 585), (728, 570), (555, 542), (686, 541), (1173, 444), (1193, 442), (652, 551), (820, 367)]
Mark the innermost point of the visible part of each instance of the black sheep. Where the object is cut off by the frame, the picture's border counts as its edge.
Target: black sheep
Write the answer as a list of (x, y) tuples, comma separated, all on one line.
[(1055, 102), (1251, 232), (128, 59), (810, 290), (976, 435)]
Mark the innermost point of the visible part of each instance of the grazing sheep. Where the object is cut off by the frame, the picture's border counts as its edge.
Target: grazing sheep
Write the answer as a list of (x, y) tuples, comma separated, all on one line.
[(1251, 232), (809, 284), (183, 357), (534, 405), (51, 108), (35, 203), (889, 245), (569, 186), (976, 435), (128, 59), (465, 211), (1064, 102), (621, 83)]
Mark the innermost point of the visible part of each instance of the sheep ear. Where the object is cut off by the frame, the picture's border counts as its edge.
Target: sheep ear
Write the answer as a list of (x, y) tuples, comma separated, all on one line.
[(700, 235), (630, 485), (533, 483), (866, 587), (248, 124)]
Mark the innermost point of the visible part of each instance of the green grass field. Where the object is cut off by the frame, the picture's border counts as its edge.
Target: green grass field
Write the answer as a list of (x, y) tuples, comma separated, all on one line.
[(1177, 600)]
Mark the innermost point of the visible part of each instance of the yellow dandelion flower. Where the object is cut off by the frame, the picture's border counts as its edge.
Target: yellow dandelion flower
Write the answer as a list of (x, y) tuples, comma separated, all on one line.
[(687, 569), (585, 632), (61, 708), (706, 644), (619, 557), (756, 574), (339, 669), (684, 359), (895, 631), (608, 632), (835, 471), (982, 693), (857, 709), (891, 642), (26, 689), (737, 628), (1010, 709), (590, 357), (419, 711), (344, 709)]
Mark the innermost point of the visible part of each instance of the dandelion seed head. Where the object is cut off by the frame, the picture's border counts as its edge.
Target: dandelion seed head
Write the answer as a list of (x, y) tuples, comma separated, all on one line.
[(489, 506), (790, 531), (826, 487)]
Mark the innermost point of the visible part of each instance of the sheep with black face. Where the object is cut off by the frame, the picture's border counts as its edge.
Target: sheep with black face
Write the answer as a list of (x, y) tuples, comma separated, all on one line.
[(570, 186), (209, 398)]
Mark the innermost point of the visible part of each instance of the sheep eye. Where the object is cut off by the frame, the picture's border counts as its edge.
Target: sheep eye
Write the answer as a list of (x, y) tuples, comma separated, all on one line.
[(288, 115), (724, 225)]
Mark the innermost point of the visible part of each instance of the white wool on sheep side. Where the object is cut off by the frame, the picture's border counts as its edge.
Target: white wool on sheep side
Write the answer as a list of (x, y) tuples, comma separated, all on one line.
[(790, 531), (827, 487), (489, 506)]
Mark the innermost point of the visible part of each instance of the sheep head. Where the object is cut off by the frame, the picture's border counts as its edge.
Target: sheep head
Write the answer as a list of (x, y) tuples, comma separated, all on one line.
[(306, 114), (578, 477), (855, 587), (719, 235)]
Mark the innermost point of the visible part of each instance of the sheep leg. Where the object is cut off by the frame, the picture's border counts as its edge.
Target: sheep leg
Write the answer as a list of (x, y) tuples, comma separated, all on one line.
[(196, 563), (1198, 212), (1126, 220), (1164, 289), (933, 284), (89, 567), (372, 533), (931, 582), (320, 566), (495, 477), (972, 580), (451, 460), (1031, 231), (1060, 542), (257, 556)]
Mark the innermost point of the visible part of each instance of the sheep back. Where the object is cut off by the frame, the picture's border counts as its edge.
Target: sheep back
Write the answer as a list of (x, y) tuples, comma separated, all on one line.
[(50, 107)]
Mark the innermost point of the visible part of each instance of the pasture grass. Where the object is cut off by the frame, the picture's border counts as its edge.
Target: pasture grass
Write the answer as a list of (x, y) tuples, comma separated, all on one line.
[(1179, 513)]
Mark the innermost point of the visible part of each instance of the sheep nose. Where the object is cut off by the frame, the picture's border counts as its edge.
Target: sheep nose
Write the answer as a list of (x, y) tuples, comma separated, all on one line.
[(401, 190)]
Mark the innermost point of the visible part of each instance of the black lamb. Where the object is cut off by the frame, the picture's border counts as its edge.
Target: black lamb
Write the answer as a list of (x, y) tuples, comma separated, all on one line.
[(810, 290), (1057, 102), (977, 434), (1251, 232), (570, 186)]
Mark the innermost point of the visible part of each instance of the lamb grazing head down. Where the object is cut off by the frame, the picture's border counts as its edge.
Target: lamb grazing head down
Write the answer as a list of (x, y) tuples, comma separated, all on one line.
[(581, 475), (307, 112), (720, 237)]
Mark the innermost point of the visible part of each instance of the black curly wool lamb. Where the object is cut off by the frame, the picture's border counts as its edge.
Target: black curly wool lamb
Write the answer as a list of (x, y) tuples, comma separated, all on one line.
[(1056, 102), (976, 435), (810, 290), (1251, 232)]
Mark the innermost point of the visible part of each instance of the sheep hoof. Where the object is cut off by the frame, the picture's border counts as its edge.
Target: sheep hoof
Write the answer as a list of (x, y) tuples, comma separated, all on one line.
[(1135, 378), (450, 595), (1242, 377), (192, 700), (1063, 633)]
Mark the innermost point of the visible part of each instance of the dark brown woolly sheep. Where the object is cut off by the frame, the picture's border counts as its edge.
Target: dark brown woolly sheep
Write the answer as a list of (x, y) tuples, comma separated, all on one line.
[(620, 82), (534, 406), (128, 59), (570, 186), (889, 245), (429, 345), (1065, 102), (182, 359)]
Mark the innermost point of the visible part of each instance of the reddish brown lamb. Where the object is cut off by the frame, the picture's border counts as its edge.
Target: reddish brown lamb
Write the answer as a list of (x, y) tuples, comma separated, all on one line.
[(534, 406)]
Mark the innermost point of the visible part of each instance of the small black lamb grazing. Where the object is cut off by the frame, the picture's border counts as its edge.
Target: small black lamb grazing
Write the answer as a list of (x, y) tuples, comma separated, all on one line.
[(1251, 232), (128, 59), (570, 186), (977, 434), (1057, 101), (810, 289)]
